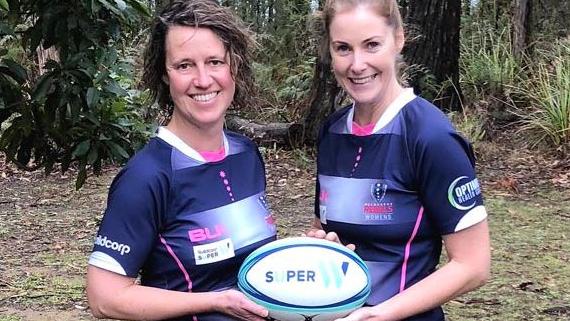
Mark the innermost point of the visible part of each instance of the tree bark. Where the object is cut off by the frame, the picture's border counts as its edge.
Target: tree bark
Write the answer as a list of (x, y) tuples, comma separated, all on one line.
[(44, 55), (520, 14), (282, 134), (436, 47), (324, 91)]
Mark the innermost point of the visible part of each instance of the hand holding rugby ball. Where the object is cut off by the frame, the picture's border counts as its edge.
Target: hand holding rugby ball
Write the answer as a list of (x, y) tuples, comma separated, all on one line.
[(303, 278)]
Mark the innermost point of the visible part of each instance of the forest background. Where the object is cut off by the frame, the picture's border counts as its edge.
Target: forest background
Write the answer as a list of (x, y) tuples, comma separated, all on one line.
[(72, 110)]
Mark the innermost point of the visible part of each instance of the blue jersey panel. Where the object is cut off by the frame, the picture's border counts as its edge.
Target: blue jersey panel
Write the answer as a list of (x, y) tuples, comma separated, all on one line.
[(396, 192)]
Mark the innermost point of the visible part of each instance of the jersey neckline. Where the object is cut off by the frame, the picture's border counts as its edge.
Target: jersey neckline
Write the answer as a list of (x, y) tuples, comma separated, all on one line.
[(390, 113), (171, 139)]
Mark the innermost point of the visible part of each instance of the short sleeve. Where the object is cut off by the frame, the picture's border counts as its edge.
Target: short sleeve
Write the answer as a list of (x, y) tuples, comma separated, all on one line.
[(130, 228), (449, 189)]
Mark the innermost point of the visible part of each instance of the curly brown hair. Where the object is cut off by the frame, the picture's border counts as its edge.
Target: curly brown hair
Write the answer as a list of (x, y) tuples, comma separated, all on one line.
[(233, 33)]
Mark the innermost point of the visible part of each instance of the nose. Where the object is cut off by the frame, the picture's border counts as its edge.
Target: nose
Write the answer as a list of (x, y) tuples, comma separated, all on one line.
[(202, 78), (358, 64)]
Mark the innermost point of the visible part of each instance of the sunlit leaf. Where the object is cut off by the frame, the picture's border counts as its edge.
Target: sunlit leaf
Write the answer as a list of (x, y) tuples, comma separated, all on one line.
[(110, 7), (4, 5), (121, 5)]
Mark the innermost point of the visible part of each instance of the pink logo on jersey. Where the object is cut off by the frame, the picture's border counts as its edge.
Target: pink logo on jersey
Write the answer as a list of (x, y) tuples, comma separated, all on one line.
[(377, 210), (204, 234), (323, 196)]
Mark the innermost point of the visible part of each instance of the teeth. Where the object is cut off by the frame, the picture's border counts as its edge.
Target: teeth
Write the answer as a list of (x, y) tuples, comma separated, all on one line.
[(204, 97), (362, 80)]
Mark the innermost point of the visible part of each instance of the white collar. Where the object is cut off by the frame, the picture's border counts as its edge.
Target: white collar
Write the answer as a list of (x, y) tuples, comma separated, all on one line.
[(391, 111), (173, 140)]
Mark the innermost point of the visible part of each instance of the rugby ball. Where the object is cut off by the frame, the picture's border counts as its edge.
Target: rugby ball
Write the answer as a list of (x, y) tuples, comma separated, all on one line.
[(303, 278)]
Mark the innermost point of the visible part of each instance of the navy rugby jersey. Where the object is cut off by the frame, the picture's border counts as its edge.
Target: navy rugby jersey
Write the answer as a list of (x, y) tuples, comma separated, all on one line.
[(183, 223), (394, 193)]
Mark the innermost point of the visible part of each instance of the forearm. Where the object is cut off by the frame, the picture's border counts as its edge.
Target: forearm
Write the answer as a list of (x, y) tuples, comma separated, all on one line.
[(115, 296), (467, 269), (452, 280), (136, 302)]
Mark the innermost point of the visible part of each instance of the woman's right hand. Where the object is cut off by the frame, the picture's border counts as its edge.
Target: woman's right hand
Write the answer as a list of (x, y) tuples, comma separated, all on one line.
[(236, 304)]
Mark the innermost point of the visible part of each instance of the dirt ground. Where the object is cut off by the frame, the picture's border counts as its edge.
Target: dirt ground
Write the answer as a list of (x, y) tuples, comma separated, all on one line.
[(47, 228)]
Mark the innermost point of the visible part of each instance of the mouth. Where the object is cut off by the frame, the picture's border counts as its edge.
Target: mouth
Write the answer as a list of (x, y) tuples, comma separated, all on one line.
[(362, 80), (205, 97)]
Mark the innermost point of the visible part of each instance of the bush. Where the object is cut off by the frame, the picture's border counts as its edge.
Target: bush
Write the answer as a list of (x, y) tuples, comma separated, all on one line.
[(488, 68), (547, 90)]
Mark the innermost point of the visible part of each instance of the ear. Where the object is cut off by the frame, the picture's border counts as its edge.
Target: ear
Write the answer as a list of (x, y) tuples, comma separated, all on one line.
[(165, 79), (400, 39)]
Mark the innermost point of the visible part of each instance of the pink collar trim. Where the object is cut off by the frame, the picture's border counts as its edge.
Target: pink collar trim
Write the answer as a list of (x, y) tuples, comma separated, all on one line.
[(214, 156), (362, 130)]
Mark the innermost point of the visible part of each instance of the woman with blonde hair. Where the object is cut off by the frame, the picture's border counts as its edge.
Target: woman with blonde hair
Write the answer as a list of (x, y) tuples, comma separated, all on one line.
[(395, 180)]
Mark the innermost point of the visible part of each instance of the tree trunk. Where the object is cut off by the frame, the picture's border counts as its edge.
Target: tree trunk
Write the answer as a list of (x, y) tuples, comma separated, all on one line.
[(520, 14), (44, 55), (436, 47), (281, 134), (324, 90)]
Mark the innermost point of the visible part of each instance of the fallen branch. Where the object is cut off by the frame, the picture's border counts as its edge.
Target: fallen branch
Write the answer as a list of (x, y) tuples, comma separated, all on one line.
[(282, 134)]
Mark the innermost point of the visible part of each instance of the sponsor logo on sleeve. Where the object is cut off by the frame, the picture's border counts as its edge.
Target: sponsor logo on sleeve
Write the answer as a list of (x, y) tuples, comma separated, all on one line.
[(115, 246), (462, 193)]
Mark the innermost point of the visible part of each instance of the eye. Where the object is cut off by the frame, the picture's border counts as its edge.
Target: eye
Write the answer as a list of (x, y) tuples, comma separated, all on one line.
[(183, 66), (341, 49), (217, 62), (373, 45)]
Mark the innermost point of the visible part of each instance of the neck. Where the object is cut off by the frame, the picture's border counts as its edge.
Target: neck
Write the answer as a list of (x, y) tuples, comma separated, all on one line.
[(199, 138), (365, 114)]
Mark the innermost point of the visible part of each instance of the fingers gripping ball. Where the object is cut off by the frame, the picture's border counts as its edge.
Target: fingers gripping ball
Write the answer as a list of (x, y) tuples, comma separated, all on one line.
[(305, 278)]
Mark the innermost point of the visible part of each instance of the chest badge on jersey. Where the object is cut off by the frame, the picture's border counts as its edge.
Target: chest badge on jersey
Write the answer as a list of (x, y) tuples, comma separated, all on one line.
[(378, 209), (214, 252)]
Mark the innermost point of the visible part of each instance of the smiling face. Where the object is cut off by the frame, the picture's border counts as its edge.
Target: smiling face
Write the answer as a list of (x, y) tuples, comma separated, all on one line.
[(364, 49), (199, 77)]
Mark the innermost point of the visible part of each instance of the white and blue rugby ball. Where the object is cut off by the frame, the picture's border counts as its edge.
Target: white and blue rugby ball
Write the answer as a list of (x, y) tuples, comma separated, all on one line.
[(303, 278)]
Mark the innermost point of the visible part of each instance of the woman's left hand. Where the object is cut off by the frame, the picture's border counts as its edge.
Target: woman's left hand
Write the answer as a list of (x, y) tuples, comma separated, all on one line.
[(362, 314), (330, 236)]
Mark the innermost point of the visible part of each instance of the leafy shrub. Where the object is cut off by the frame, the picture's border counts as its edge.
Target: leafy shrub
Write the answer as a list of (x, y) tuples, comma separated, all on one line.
[(79, 111), (547, 117), (488, 67)]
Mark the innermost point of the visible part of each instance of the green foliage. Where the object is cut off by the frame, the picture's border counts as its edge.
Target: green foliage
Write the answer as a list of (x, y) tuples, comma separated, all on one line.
[(488, 67), (471, 124), (79, 110), (285, 88), (425, 80), (4, 5), (284, 68), (548, 93)]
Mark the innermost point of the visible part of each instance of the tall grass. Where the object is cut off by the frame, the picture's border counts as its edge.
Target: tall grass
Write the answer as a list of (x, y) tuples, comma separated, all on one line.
[(547, 117), (488, 67)]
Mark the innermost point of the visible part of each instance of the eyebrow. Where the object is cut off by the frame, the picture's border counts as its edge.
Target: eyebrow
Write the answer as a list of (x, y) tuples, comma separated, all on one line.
[(378, 37)]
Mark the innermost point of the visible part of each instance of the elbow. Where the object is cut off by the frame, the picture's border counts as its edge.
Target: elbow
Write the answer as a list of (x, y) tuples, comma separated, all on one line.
[(99, 309), (480, 277)]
